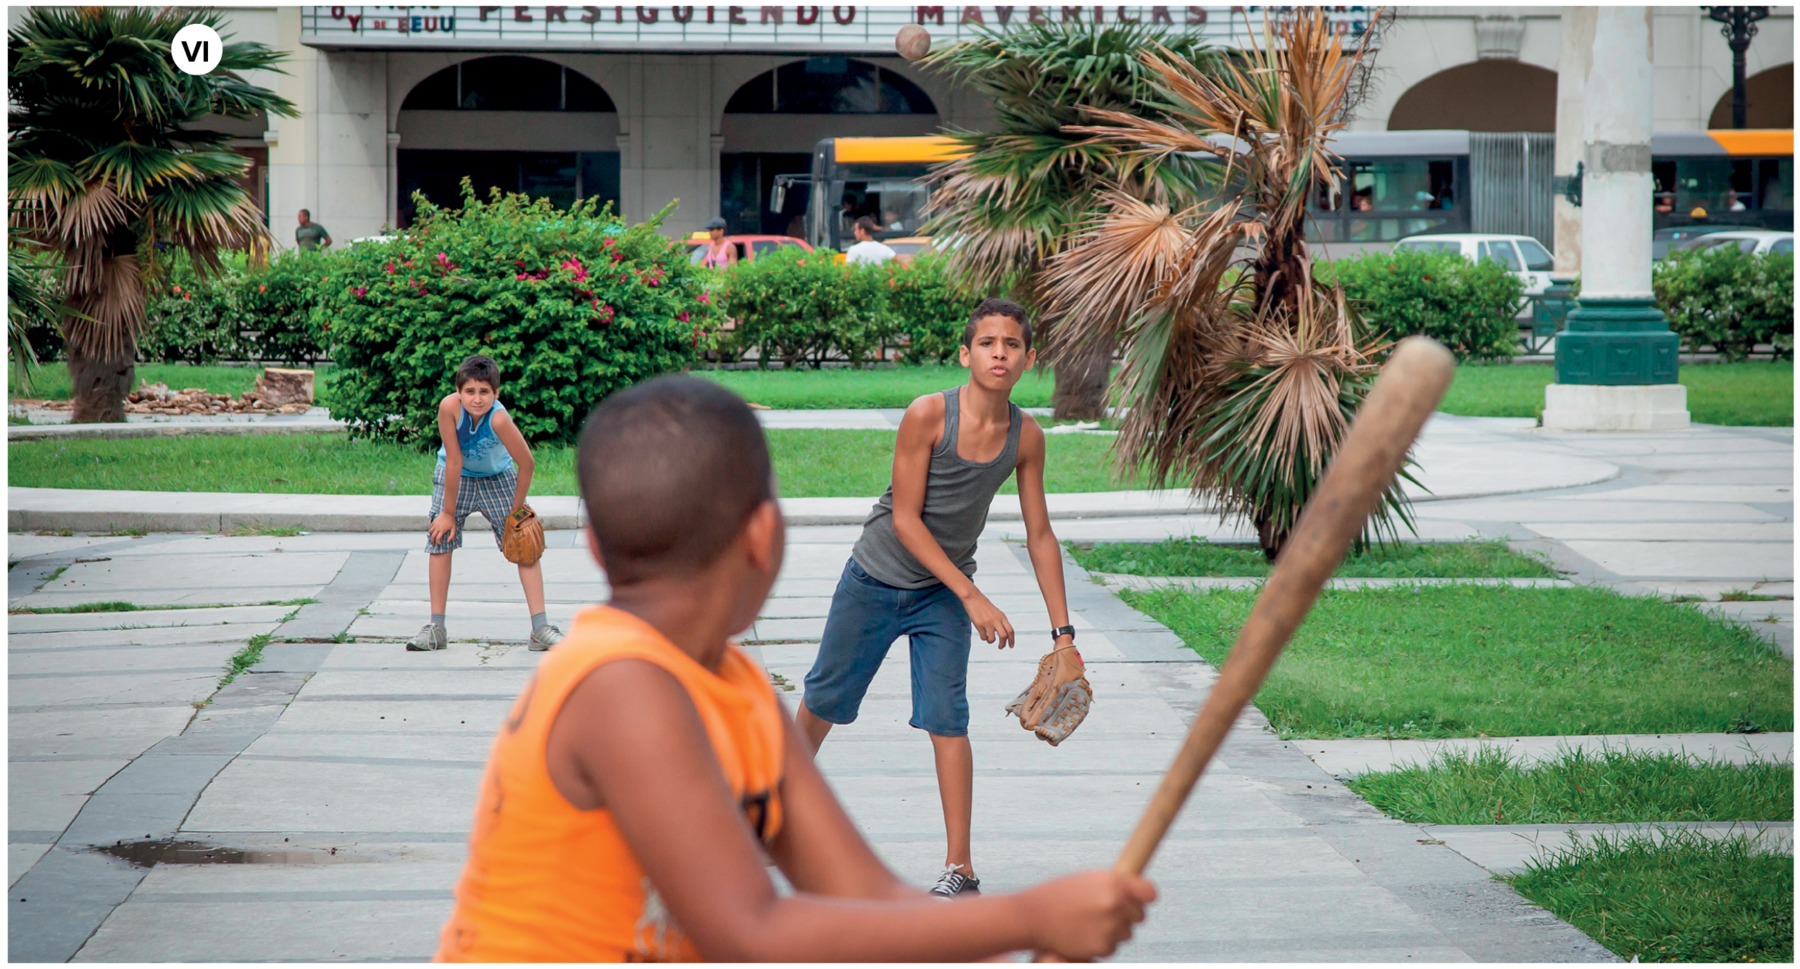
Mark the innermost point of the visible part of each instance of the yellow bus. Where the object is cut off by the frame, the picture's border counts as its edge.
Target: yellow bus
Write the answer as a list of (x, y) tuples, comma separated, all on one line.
[(884, 178)]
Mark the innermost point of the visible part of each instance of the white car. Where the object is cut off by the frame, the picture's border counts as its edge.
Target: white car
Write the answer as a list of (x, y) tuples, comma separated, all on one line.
[(1523, 256), (1758, 241)]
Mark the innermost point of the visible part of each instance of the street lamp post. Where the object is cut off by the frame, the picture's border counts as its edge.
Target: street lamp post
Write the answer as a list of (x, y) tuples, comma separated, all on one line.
[(1616, 361), (1739, 25)]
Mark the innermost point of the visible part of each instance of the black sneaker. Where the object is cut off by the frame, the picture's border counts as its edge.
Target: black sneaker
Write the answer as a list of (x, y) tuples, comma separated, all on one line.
[(953, 883)]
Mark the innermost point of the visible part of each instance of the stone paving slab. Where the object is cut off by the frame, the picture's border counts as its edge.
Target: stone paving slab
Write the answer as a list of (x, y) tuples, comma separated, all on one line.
[(1348, 757), (1507, 848), (142, 618)]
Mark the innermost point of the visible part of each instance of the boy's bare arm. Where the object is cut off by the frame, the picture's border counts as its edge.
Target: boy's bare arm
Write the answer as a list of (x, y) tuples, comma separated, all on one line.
[(820, 849), (628, 739), (509, 435), (1040, 540), (443, 528), (918, 437)]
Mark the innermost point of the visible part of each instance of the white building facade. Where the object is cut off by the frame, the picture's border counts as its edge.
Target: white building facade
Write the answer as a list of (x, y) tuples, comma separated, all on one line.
[(645, 106)]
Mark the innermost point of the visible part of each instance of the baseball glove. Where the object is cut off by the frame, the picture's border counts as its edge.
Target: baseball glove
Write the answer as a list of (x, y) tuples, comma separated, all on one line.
[(524, 541), (1058, 698)]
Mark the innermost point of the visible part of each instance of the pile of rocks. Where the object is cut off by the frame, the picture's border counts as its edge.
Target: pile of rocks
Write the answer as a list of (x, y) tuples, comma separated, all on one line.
[(277, 392), (159, 399)]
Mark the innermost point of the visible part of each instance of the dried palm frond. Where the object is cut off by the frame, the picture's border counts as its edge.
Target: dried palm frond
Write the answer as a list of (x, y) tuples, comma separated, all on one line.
[(1241, 369)]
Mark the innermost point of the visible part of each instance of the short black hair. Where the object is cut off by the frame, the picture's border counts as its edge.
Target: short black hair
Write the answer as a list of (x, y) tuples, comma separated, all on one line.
[(478, 367), (867, 224), (994, 306), (669, 470)]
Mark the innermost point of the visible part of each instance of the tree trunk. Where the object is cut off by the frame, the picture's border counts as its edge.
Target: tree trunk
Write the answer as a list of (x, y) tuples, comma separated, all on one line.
[(1270, 539), (1081, 379), (101, 384)]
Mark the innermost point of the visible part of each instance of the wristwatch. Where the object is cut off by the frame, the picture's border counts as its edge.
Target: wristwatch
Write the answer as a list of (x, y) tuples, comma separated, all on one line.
[(1061, 631)]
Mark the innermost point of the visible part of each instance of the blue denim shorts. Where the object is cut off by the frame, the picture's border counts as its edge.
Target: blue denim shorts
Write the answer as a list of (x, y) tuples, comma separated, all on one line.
[(867, 616)]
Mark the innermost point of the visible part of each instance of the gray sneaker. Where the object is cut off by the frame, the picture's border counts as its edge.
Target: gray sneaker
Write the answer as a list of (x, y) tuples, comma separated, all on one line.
[(544, 638), (430, 638)]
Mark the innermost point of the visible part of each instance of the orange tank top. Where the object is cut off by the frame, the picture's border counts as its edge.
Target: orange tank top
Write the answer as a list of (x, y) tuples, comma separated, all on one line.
[(546, 882)]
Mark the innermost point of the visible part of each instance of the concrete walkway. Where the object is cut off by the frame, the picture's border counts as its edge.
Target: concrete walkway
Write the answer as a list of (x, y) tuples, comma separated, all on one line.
[(374, 752), (358, 746)]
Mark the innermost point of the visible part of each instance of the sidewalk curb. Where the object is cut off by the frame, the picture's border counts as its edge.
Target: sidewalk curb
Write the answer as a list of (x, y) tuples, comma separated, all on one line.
[(52, 509), (116, 432)]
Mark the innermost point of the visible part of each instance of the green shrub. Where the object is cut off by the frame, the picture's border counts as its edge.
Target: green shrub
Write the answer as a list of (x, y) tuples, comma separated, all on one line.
[(800, 307), (278, 303), (927, 309), (572, 306), (1728, 299), (1469, 307), (191, 317)]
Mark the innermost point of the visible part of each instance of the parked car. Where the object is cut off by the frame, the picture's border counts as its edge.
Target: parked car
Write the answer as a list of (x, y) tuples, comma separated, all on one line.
[(1523, 256), (748, 246), (906, 247), (1663, 240), (1758, 241)]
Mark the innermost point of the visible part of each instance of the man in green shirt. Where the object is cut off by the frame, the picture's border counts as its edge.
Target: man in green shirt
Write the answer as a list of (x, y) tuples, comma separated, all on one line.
[(311, 235)]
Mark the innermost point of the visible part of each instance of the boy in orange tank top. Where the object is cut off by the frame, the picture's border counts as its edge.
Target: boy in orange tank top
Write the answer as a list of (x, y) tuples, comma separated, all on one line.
[(648, 768)]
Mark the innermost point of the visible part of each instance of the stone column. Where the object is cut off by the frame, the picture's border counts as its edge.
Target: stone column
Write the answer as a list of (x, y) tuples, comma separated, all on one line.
[(1615, 363), (1571, 82)]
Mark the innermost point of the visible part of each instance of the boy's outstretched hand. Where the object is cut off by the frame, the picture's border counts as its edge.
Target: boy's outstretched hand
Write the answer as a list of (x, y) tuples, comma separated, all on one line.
[(1085, 916), (443, 528), (990, 623)]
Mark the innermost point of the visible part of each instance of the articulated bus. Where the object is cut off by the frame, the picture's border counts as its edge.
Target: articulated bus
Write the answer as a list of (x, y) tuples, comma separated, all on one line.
[(1403, 183), (1395, 184)]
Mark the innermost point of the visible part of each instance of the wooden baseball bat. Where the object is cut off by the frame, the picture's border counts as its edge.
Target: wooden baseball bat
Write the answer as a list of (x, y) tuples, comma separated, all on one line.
[(1407, 390)]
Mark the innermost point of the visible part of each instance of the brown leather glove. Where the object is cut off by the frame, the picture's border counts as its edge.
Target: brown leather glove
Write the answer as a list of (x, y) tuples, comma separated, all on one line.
[(523, 543), (1058, 698)]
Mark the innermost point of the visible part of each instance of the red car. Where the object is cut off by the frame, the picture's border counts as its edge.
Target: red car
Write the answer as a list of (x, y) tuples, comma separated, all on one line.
[(748, 246)]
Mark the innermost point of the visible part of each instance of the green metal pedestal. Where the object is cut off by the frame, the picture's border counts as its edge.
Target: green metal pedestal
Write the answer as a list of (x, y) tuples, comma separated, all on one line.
[(1616, 342)]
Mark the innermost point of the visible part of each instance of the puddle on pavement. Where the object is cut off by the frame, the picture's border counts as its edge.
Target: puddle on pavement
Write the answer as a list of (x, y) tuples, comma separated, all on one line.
[(148, 854)]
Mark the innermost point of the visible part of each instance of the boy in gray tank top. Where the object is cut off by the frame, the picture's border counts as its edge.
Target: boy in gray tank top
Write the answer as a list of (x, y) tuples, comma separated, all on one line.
[(911, 572)]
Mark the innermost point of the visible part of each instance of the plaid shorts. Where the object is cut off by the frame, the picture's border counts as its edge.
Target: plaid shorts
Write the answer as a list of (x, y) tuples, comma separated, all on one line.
[(491, 495)]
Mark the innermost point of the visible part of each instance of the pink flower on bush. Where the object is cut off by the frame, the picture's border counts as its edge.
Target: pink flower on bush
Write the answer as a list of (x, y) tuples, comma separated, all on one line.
[(682, 316), (574, 265), (362, 290), (705, 298), (390, 267)]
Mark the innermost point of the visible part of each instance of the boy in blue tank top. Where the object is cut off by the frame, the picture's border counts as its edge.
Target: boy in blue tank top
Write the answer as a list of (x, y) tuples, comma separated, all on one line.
[(484, 465), (911, 572)]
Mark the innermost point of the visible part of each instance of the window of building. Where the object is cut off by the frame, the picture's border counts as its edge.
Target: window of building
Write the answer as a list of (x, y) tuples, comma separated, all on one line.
[(507, 84), (829, 85), (563, 177)]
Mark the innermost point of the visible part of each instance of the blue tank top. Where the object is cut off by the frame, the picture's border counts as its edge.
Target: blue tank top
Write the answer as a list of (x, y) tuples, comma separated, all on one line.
[(482, 453)]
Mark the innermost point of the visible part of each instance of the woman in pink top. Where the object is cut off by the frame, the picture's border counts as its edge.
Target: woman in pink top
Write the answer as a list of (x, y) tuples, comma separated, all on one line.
[(719, 253)]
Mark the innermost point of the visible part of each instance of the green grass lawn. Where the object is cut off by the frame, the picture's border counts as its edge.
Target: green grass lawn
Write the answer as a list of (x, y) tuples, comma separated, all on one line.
[(51, 381), (811, 464), (882, 387), (1757, 393), (1684, 900), (1613, 786), (1457, 661), (1198, 557)]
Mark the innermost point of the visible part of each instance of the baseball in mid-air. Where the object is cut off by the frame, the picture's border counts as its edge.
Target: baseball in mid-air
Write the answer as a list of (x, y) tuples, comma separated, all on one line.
[(913, 42)]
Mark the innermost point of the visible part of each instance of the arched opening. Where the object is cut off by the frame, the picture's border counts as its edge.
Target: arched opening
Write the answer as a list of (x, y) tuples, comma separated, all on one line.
[(1492, 95), (774, 119), (1768, 96), (560, 128)]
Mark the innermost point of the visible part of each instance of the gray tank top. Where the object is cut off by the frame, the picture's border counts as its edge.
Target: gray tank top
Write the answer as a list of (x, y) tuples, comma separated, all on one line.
[(957, 495)]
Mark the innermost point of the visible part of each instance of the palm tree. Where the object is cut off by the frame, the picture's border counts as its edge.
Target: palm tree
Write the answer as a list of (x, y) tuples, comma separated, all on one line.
[(1014, 200), (104, 164), (1242, 369)]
